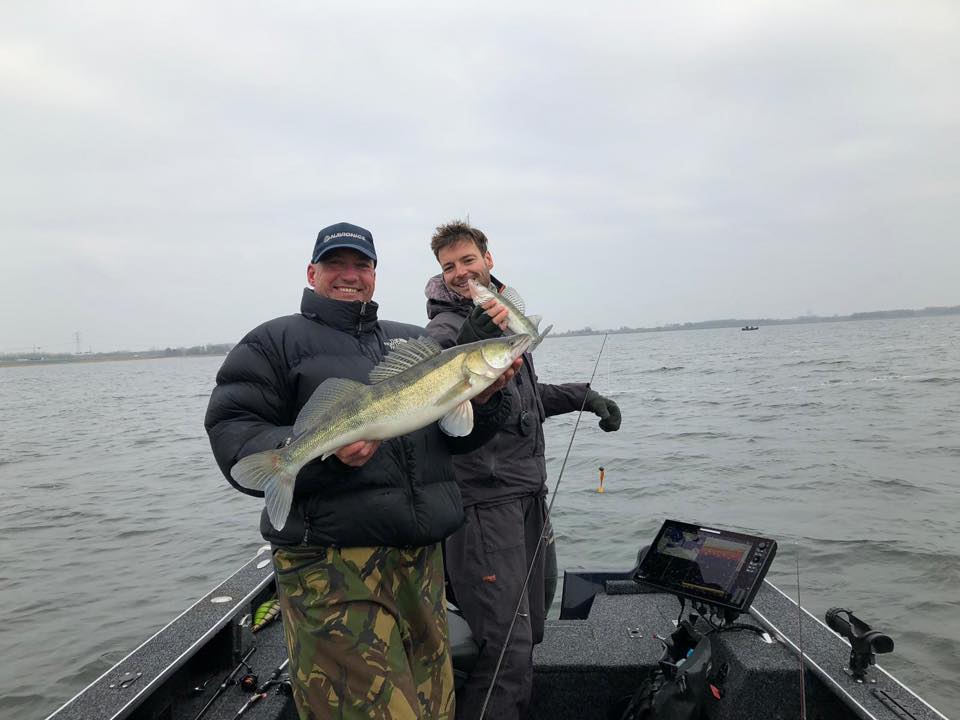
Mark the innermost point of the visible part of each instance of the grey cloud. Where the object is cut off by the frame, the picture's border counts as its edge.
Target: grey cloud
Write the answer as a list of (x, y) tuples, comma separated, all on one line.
[(166, 169)]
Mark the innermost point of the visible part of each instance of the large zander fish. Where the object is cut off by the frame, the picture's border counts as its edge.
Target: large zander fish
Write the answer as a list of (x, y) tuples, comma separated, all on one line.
[(416, 384), (511, 300)]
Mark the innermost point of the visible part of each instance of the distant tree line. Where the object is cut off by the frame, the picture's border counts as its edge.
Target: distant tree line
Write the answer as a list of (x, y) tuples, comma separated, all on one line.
[(932, 311), (39, 357)]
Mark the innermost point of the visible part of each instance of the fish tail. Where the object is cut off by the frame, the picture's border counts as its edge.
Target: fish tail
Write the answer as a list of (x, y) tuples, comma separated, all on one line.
[(271, 473), (540, 338)]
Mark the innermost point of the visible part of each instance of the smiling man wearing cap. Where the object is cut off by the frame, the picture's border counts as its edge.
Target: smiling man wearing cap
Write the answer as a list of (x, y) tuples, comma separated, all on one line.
[(358, 562), (348, 267)]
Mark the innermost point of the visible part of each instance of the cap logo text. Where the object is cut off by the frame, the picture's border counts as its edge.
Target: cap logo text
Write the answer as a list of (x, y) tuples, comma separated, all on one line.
[(328, 238)]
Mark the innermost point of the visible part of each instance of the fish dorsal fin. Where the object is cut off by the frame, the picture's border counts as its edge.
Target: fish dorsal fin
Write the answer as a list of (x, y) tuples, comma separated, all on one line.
[(513, 297), (405, 356), (327, 394)]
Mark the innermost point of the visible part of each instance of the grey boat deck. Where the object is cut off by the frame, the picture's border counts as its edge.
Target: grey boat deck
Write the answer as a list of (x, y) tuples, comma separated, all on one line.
[(591, 660)]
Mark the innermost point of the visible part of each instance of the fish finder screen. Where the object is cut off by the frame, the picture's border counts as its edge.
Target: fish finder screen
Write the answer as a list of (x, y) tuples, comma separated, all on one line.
[(714, 566)]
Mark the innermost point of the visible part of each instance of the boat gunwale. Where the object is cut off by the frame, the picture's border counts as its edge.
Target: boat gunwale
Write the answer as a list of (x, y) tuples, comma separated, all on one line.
[(842, 639), (169, 669)]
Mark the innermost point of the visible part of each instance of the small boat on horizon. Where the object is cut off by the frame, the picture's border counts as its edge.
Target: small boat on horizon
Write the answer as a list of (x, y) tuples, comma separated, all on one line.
[(750, 327)]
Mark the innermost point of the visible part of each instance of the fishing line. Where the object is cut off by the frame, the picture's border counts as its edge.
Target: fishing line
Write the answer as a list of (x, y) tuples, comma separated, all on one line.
[(803, 681), (536, 552), (609, 384)]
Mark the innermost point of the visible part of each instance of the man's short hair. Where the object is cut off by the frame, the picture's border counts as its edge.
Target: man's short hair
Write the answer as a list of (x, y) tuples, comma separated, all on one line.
[(454, 232)]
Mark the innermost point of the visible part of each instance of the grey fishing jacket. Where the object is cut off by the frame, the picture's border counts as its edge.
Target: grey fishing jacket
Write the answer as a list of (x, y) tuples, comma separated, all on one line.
[(404, 496), (512, 464)]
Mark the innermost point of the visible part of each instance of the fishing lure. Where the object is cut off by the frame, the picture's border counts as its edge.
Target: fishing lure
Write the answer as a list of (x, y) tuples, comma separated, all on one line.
[(265, 614)]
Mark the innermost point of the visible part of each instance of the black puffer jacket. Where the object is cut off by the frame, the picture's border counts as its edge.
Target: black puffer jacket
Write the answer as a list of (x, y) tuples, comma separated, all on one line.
[(404, 496), (512, 464)]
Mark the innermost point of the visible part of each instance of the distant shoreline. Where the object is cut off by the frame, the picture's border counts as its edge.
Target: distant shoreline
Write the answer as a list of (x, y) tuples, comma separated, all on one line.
[(30, 359), (760, 322), (103, 357)]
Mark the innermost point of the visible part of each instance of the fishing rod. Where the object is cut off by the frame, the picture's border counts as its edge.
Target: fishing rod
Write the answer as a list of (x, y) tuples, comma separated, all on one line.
[(536, 552), (261, 692), (803, 680), (227, 681)]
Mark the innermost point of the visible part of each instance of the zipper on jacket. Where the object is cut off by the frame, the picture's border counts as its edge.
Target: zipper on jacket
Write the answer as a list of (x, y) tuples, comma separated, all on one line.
[(363, 310)]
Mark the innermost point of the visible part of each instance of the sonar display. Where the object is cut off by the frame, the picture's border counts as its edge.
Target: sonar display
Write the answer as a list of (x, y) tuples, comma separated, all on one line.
[(716, 566)]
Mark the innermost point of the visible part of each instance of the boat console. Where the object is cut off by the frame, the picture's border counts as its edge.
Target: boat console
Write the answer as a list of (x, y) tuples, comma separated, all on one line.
[(616, 650)]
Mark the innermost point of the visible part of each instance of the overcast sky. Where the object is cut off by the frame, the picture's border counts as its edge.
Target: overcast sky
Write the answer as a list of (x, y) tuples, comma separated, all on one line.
[(166, 166)]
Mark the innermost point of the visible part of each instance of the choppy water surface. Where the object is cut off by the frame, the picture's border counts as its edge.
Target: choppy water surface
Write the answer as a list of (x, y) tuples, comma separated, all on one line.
[(840, 440)]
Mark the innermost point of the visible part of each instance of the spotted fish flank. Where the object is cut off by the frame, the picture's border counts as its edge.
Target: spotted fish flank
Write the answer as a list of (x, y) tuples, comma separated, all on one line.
[(417, 384)]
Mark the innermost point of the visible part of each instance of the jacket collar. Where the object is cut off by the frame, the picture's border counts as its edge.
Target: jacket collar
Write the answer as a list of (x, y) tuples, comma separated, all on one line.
[(352, 317)]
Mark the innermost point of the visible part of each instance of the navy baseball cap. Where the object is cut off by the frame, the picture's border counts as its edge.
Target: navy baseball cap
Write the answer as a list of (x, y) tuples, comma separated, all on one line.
[(344, 235)]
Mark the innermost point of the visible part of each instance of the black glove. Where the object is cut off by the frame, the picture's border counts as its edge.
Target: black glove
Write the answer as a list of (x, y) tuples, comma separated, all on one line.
[(478, 326), (605, 408)]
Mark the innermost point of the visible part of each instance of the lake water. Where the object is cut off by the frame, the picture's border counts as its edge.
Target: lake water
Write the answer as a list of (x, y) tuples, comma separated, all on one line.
[(840, 440)]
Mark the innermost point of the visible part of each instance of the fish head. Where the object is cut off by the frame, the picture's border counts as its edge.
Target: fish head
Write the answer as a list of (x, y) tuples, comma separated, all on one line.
[(478, 292), (491, 358)]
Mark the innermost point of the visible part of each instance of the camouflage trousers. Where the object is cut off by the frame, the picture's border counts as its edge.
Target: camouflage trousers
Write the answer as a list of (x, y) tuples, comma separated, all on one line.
[(366, 630)]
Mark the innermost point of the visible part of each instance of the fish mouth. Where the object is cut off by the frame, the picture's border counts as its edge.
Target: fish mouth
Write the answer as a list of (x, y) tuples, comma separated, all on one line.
[(466, 288)]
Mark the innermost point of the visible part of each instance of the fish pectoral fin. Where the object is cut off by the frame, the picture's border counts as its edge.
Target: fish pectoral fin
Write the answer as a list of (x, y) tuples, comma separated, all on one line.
[(459, 421), (535, 320)]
